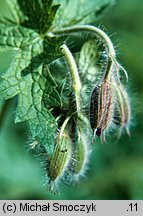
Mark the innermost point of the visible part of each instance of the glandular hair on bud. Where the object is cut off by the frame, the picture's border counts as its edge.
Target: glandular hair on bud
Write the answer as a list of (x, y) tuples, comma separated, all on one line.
[(102, 108), (122, 114), (60, 159)]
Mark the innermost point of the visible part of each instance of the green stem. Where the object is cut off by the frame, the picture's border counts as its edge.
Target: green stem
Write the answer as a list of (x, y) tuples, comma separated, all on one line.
[(101, 35), (64, 125), (76, 84), (98, 32)]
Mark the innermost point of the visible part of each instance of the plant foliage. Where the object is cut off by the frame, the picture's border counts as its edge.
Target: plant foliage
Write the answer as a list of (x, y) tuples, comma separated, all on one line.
[(36, 74)]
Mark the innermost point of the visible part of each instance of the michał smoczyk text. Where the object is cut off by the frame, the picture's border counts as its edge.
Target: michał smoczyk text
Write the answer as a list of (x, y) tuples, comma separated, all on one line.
[(27, 207)]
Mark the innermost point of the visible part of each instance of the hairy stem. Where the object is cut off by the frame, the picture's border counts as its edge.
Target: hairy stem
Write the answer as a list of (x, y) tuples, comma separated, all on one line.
[(64, 125), (76, 84), (101, 35)]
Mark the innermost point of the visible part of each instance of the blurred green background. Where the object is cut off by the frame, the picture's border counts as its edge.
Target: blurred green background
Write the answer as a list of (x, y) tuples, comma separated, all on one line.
[(115, 169)]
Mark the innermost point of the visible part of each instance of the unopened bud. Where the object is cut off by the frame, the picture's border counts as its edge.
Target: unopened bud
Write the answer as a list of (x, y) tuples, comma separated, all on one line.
[(81, 150), (122, 114), (101, 108), (60, 159)]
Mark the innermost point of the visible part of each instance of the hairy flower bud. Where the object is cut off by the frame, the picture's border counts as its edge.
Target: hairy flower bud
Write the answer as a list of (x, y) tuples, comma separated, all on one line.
[(101, 108), (60, 159), (81, 150), (122, 109)]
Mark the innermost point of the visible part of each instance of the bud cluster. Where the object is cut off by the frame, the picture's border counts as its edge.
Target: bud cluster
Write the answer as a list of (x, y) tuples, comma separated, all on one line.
[(109, 107), (109, 104)]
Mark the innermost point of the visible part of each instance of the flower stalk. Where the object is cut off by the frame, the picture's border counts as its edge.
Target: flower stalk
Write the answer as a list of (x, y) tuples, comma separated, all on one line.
[(112, 64), (76, 84), (98, 33)]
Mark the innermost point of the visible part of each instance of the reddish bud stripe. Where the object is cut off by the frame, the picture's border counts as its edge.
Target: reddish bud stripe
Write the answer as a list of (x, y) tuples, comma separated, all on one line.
[(107, 105), (101, 107)]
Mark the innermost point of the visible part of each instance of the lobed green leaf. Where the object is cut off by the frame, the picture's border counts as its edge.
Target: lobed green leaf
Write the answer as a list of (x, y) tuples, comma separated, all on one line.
[(82, 11)]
